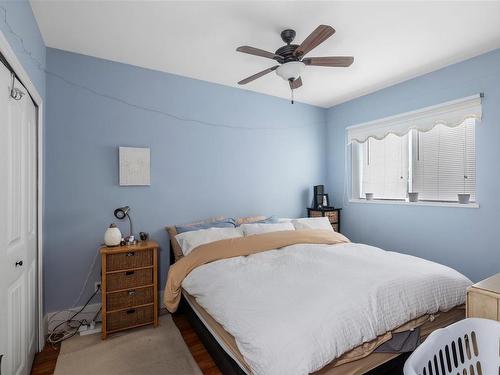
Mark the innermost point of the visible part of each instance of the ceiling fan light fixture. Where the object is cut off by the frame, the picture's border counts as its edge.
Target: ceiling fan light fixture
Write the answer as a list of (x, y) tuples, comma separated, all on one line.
[(290, 70), (291, 57)]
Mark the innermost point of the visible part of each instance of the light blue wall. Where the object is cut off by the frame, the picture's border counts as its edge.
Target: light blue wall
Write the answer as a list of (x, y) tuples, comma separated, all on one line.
[(199, 171), (196, 171), (465, 239), (20, 18)]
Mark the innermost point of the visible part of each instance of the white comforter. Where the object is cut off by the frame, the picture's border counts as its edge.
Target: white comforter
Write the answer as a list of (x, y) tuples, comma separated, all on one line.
[(294, 310)]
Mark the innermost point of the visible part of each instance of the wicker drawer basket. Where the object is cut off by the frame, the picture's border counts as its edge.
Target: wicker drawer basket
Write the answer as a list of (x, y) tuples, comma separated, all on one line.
[(333, 215), (315, 214), (129, 279), (128, 260), (131, 297), (128, 318), (129, 286)]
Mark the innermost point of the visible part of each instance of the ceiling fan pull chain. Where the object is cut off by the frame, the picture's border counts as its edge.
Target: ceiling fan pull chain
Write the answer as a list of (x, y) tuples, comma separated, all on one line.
[(292, 96)]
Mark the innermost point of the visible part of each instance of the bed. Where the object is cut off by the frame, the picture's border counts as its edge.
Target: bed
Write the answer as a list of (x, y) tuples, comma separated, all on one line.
[(309, 323)]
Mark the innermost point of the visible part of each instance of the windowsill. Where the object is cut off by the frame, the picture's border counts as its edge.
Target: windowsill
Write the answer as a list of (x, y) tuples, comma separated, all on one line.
[(419, 203)]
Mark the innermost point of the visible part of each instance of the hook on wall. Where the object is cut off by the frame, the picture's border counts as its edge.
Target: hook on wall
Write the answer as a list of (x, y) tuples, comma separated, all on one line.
[(15, 93)]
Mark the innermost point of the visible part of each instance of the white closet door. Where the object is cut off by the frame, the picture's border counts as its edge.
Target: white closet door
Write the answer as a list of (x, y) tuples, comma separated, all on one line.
[(18, 236)]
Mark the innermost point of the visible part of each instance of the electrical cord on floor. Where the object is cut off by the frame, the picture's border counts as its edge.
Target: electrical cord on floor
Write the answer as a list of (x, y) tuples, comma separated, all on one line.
[(96, 315), (84, 286), (56, 337)]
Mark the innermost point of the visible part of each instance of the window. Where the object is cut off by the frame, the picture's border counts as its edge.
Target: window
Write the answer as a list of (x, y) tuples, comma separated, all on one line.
[(418, 152), (385, 167), (445, 162), (438, 164)]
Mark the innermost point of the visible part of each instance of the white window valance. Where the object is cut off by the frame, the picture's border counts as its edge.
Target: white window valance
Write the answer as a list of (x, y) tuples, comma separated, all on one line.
[(451, 114)]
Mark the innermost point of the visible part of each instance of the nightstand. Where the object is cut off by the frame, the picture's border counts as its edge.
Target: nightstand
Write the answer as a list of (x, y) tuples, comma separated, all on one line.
[(129, 286), (483, 299), (333, 215)]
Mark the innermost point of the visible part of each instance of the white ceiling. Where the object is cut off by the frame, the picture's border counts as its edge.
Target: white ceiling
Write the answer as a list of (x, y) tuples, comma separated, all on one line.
[(391, 41)]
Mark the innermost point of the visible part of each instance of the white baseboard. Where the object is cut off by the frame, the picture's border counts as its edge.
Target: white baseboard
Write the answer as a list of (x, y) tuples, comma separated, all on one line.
[(52, 319), (88, 314)]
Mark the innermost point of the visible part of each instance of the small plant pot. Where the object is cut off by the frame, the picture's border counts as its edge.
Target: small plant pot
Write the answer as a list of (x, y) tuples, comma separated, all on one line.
[(369, 196), (413, 197), (463, 198)]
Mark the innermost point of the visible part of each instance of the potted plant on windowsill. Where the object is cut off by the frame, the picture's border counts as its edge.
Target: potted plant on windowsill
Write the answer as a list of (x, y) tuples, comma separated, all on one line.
[(463, 198), (413, 197)]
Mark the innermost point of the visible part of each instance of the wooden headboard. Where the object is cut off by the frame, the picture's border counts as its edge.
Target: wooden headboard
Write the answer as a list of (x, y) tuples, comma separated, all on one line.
[(175, 249), (172, 232)]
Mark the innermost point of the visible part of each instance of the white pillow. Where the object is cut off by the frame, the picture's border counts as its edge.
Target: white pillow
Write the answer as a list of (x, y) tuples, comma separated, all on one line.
[(192, 239), (312, 223), (250, 229), (283, 220)]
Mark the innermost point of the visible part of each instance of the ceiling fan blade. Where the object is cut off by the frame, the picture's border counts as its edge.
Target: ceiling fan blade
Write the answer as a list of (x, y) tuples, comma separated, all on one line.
[(258, 52), (318, 36), (333, 61), (257, 75), (296, 83)]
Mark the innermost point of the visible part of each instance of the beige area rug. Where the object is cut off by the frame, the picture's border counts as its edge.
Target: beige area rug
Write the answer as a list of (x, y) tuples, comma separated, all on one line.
[(140, 351)]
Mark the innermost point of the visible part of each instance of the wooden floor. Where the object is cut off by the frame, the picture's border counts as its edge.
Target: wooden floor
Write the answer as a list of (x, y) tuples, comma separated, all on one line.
[(45, 361), (197, 349)]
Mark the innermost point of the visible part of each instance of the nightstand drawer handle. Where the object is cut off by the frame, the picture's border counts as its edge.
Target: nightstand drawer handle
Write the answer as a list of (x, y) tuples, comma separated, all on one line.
[(131, 311), (128, 273), (131, 292), (130, 254)]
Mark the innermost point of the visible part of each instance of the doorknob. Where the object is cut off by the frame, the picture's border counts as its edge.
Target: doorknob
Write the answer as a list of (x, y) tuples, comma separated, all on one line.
[(19, 263)]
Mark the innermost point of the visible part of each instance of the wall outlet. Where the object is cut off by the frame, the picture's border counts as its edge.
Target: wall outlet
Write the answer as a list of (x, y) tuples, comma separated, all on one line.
[(97, 286)]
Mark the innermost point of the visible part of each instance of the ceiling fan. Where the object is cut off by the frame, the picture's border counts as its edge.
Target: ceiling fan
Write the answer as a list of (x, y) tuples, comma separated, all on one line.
[(291, 56)]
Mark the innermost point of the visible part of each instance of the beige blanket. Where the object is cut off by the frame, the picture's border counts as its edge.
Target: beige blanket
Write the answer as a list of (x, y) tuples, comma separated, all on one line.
[(235, 247)]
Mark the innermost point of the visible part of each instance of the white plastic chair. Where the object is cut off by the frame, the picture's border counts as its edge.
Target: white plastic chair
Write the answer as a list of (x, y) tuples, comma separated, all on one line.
[(468, 347)]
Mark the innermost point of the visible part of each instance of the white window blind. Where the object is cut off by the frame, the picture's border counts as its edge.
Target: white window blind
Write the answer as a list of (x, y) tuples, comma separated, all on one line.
[(430, 151), (385, 167), (451, 113), (445, 162)]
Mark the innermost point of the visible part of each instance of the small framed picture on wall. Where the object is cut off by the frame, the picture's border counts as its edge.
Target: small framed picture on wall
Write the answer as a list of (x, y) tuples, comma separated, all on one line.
[(134, 166)]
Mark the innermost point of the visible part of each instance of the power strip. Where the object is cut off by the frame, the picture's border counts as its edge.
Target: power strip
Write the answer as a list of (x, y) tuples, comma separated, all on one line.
[(90, 329)]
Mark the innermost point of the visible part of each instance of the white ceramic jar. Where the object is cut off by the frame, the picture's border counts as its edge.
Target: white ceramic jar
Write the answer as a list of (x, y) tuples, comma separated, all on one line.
[(112, 236)]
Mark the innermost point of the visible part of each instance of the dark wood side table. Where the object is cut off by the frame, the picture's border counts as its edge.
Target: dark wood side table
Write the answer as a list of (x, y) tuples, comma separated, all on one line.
[(333, 214), (129, 286)]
